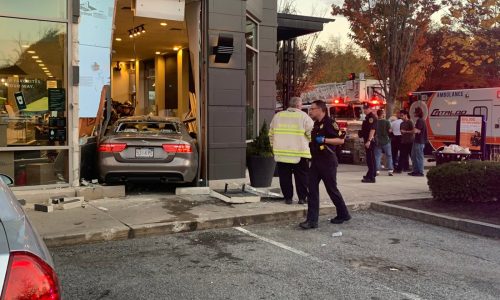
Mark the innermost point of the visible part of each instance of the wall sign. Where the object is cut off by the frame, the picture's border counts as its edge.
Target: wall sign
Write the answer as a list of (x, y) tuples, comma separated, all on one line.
[(471, 132), (57, 99), (21, 103)]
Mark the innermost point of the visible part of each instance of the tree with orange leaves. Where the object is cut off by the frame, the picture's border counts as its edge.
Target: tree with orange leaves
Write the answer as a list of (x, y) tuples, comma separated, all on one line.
[(390, 31), (475, 42)]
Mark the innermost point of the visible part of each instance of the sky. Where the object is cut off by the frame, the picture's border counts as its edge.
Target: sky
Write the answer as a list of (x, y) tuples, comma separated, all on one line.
[(322, 8), (340, 27)]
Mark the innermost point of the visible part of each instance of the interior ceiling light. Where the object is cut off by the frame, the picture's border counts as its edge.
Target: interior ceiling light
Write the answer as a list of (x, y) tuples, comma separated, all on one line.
[(44, 68), (118, 39), (25, 46), (157, 52), (163, 23), (31, 52), (41, 65), (176, 48), (136, 31), (39, 61), (34, 57)]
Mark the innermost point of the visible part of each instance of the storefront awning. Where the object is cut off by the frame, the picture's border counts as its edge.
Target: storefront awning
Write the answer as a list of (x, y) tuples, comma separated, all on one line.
[(292, 26)]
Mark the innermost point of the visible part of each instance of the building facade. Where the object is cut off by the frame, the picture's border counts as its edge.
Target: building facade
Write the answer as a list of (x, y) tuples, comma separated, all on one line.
[(56, 56)]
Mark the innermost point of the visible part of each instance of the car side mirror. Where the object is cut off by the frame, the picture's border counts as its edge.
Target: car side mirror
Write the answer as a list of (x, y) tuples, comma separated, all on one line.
[(8, 181), (193, 135)]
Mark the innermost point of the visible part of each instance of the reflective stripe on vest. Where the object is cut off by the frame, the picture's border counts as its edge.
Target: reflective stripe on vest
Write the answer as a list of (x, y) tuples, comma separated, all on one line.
[(279, 152), (287, 160), (299, 132)]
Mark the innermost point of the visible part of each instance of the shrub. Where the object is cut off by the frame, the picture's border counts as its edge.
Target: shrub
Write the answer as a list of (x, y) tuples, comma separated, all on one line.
[(474, 181), (261, 145)]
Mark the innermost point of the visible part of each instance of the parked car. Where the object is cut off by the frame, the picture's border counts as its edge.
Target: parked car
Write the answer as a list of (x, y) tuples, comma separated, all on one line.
[(148, 148), (26, 267)]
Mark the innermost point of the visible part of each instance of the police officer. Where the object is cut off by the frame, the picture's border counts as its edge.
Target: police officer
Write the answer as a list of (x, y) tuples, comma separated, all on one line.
[(324, 137), (368, 129)]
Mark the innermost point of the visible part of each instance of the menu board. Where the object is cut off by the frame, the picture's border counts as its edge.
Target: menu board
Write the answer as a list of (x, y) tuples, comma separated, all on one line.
[(57, 99)]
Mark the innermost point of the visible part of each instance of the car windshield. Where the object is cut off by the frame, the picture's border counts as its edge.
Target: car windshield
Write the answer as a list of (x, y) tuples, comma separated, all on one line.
[(147, 127)]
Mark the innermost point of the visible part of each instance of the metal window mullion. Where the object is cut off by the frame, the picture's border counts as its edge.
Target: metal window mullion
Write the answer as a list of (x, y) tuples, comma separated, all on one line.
[(55, 20), (32, 148), (68, 78)]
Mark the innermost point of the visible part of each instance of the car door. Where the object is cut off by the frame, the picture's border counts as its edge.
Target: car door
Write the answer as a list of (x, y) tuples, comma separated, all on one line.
[(4, 256)]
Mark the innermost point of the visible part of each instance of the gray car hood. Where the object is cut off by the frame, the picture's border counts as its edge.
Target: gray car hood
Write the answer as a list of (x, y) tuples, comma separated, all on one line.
[(21, 236)]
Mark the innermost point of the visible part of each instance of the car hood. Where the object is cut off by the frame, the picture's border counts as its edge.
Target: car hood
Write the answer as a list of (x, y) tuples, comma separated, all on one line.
[(21, 236)]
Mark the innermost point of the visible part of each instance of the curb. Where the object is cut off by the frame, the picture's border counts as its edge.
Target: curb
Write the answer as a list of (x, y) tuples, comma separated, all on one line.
[(144, 230), (466, 225)]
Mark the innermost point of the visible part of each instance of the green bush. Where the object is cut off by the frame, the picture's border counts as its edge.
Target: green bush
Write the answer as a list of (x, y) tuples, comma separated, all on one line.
[(473, 181), (261, 145)]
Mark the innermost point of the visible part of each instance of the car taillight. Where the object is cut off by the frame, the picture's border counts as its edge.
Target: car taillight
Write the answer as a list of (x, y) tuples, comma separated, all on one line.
[(111, 147), (29, 277), (177, 148)]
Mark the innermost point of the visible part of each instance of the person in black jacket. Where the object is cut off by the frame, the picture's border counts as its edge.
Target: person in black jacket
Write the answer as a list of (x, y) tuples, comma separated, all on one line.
[(368, 130)]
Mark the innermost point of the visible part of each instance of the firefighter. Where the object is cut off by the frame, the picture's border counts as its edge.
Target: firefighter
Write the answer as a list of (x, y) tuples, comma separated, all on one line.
[(290, 133), (326, 135)]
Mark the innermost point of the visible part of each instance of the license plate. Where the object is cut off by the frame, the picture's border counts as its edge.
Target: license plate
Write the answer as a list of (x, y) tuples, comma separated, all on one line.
[(144, 153)]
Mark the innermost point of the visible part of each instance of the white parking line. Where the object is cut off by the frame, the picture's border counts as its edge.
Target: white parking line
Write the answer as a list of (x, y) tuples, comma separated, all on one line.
[(278, 244), (309, 256)]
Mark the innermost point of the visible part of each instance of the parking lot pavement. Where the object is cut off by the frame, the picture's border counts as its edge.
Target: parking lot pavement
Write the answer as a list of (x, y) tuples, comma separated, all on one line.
[(377, 257)]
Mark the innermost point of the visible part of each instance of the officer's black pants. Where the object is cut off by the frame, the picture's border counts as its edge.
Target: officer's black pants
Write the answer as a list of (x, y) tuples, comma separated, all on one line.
[(324, 168), (299, 171), (370, 162), (404, 157)]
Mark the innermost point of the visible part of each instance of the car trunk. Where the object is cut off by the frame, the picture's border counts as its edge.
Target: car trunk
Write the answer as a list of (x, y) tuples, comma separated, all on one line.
[(143, 148)]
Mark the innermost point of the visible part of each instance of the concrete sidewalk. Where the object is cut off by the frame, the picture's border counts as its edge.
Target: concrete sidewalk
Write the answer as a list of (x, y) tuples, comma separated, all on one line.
[(141, 215)]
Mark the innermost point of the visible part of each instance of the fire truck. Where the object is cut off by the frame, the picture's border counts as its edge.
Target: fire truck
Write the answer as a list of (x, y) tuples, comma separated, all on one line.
[(344, 102), (442, 108)]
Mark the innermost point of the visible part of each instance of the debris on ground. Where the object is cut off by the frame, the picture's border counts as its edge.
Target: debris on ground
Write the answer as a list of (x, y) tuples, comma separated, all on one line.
[(337, 234)]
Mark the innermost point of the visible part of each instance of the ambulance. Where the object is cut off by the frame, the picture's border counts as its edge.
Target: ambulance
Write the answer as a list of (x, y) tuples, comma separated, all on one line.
[(442, 108)]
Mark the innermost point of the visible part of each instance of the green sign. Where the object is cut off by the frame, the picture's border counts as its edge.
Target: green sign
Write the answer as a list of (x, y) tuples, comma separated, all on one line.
[(57, 99)]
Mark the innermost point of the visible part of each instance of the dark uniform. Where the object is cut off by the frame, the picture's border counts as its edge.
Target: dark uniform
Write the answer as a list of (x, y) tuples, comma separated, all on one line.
[(324, 167), (369, 123)]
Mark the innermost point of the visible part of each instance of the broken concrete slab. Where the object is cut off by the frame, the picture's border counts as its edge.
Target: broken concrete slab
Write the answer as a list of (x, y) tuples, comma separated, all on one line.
[(192, 191), (44, 207), (41, 196), (234, 197), (70, 203), (90, 192)]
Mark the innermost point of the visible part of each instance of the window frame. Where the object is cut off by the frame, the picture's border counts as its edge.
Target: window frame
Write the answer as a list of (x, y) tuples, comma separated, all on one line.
[(69, 5), (256, 51), (71, 109)]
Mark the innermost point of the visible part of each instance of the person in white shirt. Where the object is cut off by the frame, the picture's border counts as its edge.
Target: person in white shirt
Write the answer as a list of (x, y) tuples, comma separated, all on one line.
[(395, 139)]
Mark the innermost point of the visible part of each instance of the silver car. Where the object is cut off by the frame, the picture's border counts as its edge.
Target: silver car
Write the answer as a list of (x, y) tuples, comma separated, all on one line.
[(26, 267), (148, 148)]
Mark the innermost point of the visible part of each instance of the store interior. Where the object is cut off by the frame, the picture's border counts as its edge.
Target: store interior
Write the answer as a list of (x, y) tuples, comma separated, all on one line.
[(154, 69), (33, 107), (152, 65)]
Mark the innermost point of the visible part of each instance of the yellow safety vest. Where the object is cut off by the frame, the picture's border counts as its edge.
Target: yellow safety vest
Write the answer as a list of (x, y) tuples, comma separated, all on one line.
[(290, 134)]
